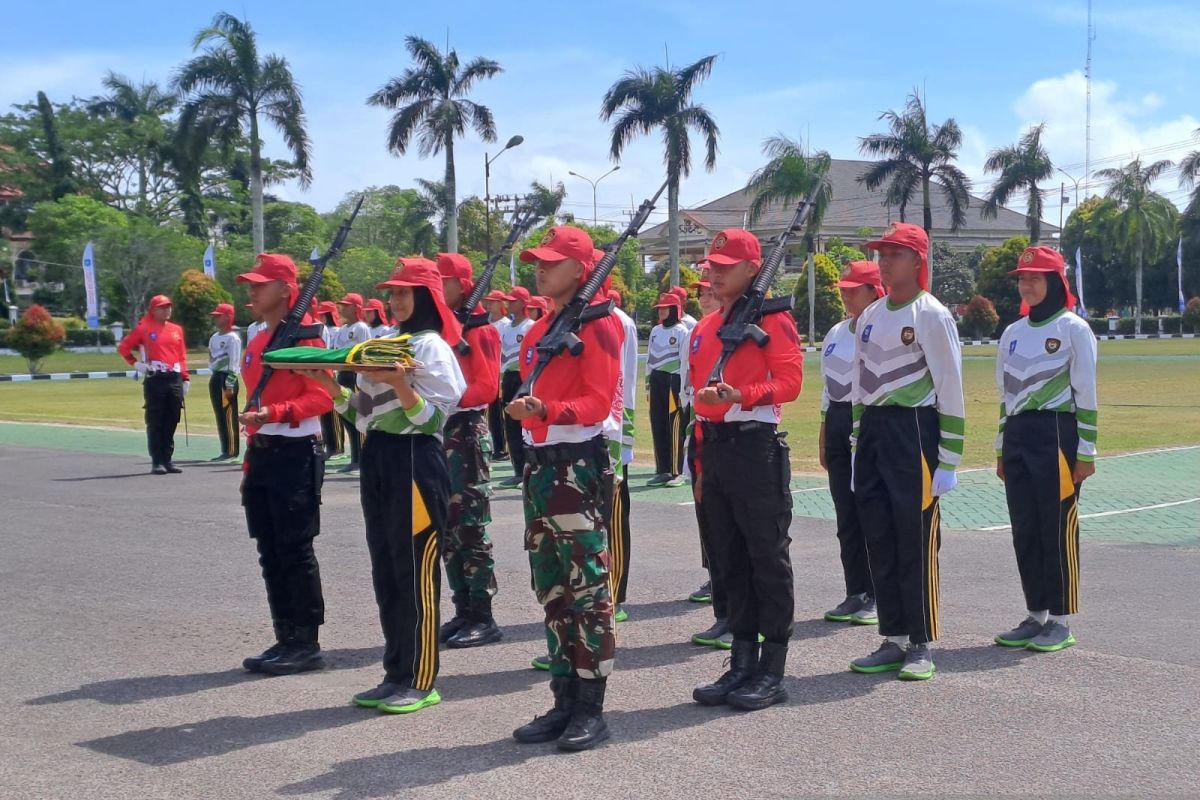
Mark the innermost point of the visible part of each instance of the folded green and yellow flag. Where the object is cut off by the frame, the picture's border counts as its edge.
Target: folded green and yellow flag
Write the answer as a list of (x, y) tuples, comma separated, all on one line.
[(371, 353)]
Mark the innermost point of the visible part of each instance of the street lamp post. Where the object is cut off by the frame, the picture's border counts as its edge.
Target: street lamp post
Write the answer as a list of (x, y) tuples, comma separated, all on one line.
[(1074, 181), (1062, 200), (594, 183), (487, 187)]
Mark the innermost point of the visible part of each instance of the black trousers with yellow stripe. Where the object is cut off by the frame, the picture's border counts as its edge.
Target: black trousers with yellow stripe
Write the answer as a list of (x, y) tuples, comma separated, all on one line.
[(1038, 454), (619, 538), (666, 422), (226, 411), (405, 489), (894, 463)]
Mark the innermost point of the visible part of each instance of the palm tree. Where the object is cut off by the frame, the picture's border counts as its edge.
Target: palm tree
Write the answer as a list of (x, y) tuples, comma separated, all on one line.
[(644, 100), (1021, 166), (228, 88), (430, 101), (56, 154), (141, 107), (914, 154), (1146, 221), (1189, 171)]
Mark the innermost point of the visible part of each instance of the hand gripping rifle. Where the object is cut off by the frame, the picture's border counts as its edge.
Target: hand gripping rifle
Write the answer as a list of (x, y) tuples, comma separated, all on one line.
[(293, 329), (523, 220), (564, 330), (742, 324)]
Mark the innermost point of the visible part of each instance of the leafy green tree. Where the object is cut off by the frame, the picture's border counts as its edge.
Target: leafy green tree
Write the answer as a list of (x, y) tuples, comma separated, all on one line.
[(1146, 221), (996, 284), (142, 259), (789, 176), (913, 156), (35, 336), (842, 254), (229, 89), (63, 228), (298, 221), (195, 296), (980, 319), (1189, 171), (1021, 166), (430, 101), (331, 287), (1086, 230), (360, 269), (953, 274), (60, 165), (644, 101), (828, 309), (141, 108)]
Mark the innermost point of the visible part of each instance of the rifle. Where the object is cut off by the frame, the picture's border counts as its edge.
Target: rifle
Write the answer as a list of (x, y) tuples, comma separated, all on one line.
[(742, 324), (523, 219), (293, 329), (564, 330)]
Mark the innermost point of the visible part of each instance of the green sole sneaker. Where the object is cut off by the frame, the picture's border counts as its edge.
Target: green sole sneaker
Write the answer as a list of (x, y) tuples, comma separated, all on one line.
[(621, 615), (1011, 642), (703, 641), (838, 617), (431, 699), (893, 667), (365, 703), (541, 662), (917, 676), (1054, 648), (864, 620)]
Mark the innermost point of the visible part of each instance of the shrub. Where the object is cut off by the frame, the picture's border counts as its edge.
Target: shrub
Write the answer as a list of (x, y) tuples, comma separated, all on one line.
[(195, 298), (1099, 325), (35, 336), (1191, 315), (102, 337), (1125, 326), (980, 319), (1171, 324)]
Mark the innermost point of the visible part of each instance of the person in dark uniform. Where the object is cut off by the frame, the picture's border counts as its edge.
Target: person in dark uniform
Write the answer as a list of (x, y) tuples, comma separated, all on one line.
[(162, 363), (511, 338), (744, 489), (282, 476)]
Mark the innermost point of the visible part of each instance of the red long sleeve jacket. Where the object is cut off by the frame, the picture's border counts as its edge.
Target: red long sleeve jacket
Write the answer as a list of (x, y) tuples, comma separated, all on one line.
[(480, 367), (289, 397), (166, 349)]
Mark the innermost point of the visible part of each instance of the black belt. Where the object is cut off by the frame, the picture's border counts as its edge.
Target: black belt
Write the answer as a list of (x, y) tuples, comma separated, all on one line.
[(266, 441), (464, 419), (724, 431), (842, 404), (170, 374), (566, 453)]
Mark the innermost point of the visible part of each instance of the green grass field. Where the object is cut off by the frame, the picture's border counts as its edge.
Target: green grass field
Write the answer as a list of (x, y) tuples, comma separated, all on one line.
[(1149, 397)]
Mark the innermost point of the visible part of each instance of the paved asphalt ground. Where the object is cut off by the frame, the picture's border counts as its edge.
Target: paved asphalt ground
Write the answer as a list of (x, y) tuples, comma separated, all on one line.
[(128, 602)]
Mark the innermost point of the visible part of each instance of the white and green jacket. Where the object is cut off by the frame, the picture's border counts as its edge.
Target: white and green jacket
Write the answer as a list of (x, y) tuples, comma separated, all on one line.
[(1049, 366), (837, 365), (438, 381), (909, 356)]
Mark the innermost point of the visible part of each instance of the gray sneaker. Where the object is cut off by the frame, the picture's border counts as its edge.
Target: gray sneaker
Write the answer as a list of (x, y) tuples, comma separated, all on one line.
[(1055, 636), (844, 610), (868, 614), (918, 664), (888, 658), (371, 698), (1020, 635), (725, 641)]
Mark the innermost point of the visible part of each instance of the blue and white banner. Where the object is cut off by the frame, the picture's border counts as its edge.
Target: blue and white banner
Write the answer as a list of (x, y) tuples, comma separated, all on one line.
[(89, 286), (210, 263), (1079, 282), (1179, 261)]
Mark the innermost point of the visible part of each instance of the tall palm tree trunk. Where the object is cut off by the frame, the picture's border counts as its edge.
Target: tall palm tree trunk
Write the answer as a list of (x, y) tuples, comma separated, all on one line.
[(1137, 288), (673, 220), (451, 199), (1035, 223), (256, 186), (928, 207)]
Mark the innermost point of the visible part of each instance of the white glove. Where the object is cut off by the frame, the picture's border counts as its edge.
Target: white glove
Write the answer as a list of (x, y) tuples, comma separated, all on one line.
[(944, 481), (141, 368), (853, 454), (186, 385)]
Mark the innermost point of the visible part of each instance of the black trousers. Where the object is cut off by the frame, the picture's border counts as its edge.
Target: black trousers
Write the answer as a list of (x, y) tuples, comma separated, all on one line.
[(163, 395), (281, 495), (350, 433), (1038, 453), (510, 382), (225, 409), (897, 456), (405, 491), (666, 422), (719, 604), (747, 507), (619, 538), (838, 423), (496, 426)]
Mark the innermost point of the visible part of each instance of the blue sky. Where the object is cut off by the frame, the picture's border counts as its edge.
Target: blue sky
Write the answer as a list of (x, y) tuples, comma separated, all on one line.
[(821, 72)]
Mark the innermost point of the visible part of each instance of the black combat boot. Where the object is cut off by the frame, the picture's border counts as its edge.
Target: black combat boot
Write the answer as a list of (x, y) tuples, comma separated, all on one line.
[(459, 621), (743, 658), (301, 653), (549, 726), (587, 728), (283, 631), (481, 628), (766, 687)]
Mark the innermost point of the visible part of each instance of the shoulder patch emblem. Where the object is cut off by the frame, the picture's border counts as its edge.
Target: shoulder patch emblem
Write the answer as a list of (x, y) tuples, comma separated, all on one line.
[(696, 344), (674, 340), (829, 348), (908, 335), (1012, 347), (866, 334), (1052, 345)]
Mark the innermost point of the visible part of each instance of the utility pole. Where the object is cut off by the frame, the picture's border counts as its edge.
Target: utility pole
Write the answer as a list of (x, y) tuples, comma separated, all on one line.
[(1087, 138)]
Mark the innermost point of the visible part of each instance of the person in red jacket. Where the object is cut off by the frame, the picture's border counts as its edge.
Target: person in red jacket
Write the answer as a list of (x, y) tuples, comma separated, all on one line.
[(281, 485), (568, 485), (466, 548), (744, 478), (161, 359)]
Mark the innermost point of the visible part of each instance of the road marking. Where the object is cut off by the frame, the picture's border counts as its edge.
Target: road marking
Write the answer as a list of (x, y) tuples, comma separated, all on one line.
[(1104, 458), (1097, 514)]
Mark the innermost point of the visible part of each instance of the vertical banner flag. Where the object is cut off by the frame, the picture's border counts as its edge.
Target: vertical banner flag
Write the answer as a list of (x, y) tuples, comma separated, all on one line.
[(1179, 261), (89, 286), (1079, 282), (210, 263), (512, 268), (314, 256)]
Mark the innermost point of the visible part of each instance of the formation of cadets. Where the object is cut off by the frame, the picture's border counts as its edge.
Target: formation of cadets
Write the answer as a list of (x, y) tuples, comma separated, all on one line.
[(423, 439)]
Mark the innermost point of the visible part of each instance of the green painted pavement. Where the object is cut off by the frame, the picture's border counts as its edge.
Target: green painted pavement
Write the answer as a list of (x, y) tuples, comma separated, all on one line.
[(1147, 498)]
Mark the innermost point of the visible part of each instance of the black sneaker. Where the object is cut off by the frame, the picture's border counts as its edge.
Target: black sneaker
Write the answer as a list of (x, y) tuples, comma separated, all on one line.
[(659, 479), (703, 594), (844, 610), (475, 634), (918, 664), (1020, 635), (158, 469), (888, 658)]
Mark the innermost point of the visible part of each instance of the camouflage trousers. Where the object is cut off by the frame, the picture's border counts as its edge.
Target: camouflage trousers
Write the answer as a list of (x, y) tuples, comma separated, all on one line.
[(567, 506), (466, 548)]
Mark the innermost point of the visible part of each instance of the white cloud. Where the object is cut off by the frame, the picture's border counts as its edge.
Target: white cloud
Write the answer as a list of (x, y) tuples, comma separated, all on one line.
[(1164, 25)]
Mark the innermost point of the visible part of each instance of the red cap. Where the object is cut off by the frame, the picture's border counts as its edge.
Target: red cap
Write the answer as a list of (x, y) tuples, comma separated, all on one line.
[(561, 243), (270, 267), (159, 301), (701, 285), (416, 272), (862, 273), (519, 293), (454, 265), (540, 303), (615, 296), (376, 305), (733, 246), (222, 310), (679, 292), (906, 234), (352, 299), (669, 300), (495, 295), (1040, 258)]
